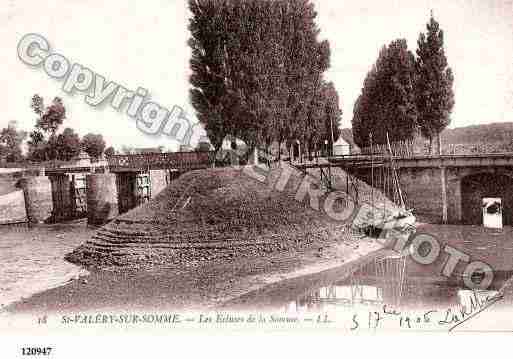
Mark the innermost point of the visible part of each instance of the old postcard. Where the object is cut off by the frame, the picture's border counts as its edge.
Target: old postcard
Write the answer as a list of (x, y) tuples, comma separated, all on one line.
[(174, 169)]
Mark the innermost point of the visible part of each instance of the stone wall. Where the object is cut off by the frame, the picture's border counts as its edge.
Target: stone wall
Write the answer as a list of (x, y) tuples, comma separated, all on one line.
[(38, 198), (454, 202), (102, 198), (422, 188), (423, 191)]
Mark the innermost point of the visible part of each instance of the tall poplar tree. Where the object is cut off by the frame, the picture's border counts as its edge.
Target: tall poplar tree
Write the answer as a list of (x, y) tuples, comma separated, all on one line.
[(387, 101), (434, 93), (257, 69), (333, 115), (209, 93)]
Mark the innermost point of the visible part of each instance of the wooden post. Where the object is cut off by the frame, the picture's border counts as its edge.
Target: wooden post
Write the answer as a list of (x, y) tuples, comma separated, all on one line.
[(444, 195), (255, 156), (372, 173)]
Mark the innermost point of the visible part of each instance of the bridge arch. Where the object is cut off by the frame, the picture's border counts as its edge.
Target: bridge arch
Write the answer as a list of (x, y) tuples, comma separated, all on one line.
[(478, 185)]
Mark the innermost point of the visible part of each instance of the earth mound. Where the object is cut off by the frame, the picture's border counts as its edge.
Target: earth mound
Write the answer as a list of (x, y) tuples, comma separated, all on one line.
[(216, 214)]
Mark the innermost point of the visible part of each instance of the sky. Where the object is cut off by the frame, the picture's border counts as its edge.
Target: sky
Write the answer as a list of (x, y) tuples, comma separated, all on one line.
[(143, 44)]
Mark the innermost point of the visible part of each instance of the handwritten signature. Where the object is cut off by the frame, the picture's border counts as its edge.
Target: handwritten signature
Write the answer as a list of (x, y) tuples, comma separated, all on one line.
[(451, 317)]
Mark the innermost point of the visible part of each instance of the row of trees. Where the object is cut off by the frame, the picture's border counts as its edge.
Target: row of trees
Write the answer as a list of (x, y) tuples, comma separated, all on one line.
[(46, 144), (257, 73), (404, 95)]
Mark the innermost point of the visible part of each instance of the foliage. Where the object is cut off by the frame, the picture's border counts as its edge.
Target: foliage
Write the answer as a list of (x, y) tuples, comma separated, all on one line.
[(257, 71), (10, 143), (62, 147), (43, 139), (387, 102), (494, 137), (110, 151), (400, 101), (434, 93), (93, 145), (333, 115), (51, 117), (45, 144), (68, 145), (37, 146)]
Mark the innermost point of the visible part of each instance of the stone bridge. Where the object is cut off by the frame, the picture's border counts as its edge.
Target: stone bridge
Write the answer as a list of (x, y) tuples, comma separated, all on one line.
[(444, 188)]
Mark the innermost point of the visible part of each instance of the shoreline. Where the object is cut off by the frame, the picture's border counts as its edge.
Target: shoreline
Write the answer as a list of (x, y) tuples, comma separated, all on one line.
[(106, 289), (32, 259), (61, 280), (314, 269), (208, 285)]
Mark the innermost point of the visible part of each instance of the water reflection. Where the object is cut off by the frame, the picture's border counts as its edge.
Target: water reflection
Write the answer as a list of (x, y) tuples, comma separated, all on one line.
[(389, 281)]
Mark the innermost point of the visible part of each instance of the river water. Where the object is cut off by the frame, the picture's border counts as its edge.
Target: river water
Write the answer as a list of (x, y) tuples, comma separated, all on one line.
[(399, 288), (394, 282), (32, 259)]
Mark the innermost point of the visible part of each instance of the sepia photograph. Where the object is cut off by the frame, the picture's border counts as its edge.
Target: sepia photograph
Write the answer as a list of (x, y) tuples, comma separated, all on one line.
[(294, 168)]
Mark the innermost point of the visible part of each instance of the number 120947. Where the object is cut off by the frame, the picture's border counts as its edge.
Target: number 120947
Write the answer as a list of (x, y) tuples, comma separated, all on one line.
[(36, 351)]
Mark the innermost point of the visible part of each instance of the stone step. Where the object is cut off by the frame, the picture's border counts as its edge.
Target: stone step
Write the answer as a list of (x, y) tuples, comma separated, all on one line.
[(166, 245), (130, 236), (150, 232), (182, 229), (119, 221), (127, 238)]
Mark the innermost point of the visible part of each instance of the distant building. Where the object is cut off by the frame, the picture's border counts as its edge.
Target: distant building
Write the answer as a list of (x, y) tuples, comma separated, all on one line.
[(146, 150), (346, 134), (82, 160), (341, 147), (185, 148)]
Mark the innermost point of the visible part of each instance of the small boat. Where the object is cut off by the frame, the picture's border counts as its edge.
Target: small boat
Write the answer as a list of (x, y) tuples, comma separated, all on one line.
[(402, 219), (402, 222)]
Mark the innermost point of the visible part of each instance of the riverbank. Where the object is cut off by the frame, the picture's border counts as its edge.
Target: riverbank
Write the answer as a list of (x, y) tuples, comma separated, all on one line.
[(223, 283), (204, 286)]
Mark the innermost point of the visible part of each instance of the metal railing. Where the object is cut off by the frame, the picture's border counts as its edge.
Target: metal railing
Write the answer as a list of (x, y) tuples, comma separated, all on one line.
[(175, 160)]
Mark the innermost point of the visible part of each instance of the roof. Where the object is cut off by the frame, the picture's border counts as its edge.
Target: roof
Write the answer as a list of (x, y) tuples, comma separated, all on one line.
[(347, 135), (341, 142)]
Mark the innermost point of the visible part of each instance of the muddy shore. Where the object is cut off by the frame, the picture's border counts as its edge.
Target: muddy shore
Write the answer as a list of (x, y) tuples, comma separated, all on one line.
[(206, 286)]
